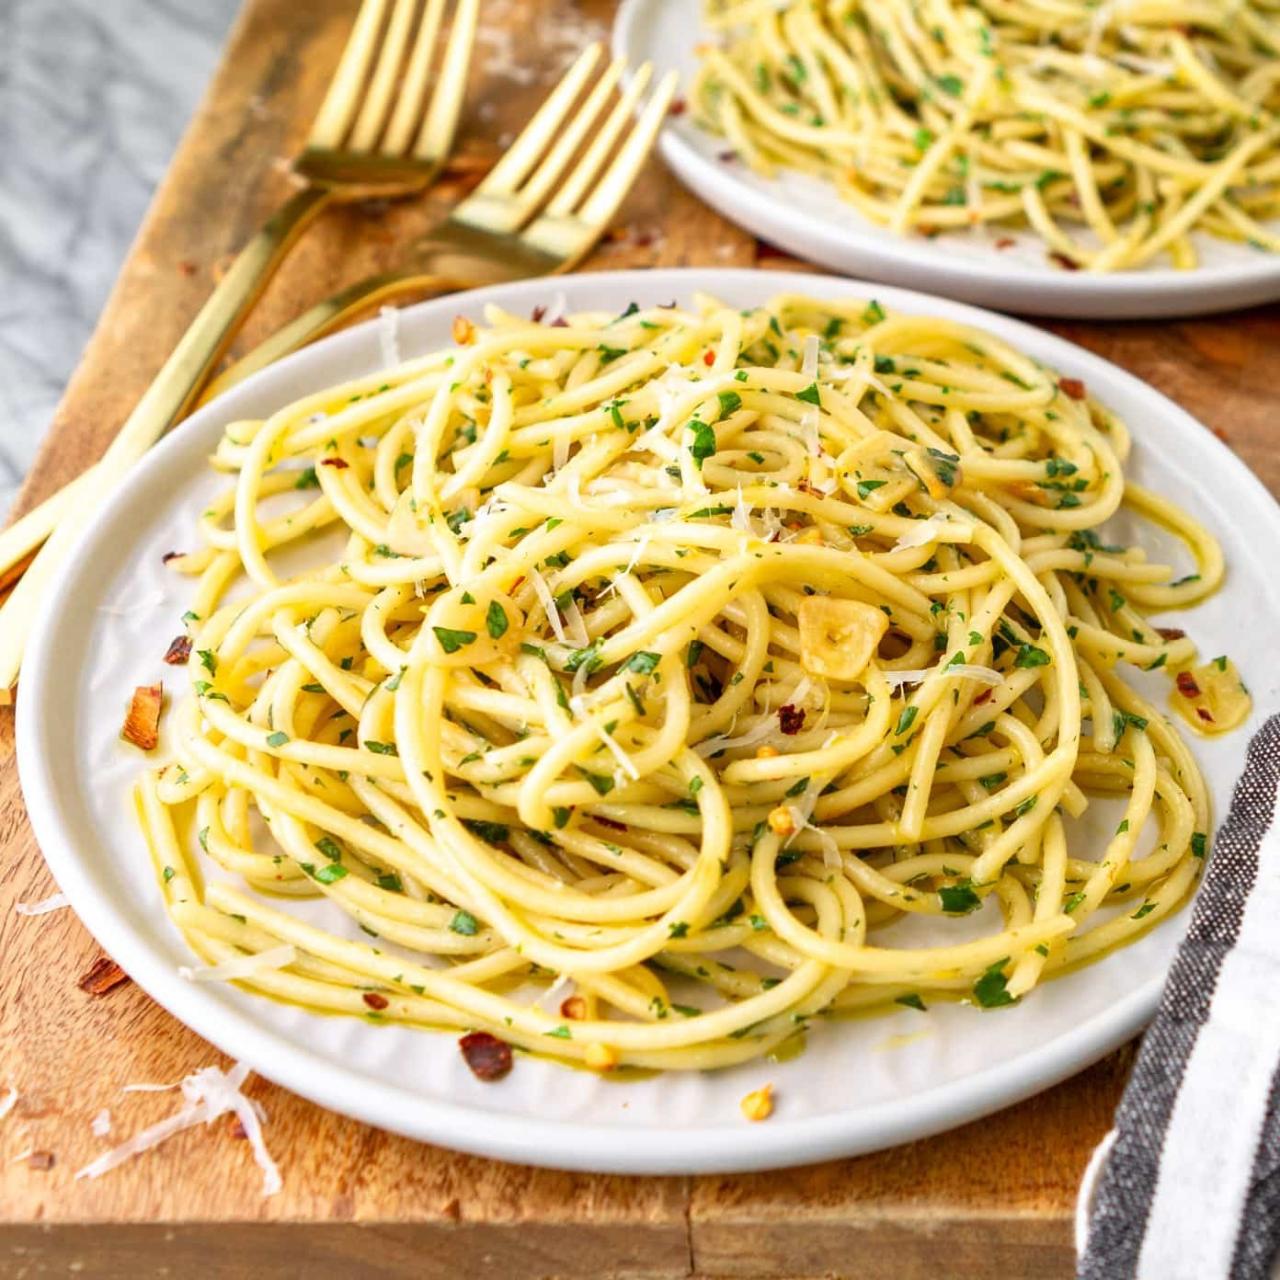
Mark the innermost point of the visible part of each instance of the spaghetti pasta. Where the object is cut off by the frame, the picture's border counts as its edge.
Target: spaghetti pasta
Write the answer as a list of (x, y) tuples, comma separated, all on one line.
[(676, 651), (1114, 130)]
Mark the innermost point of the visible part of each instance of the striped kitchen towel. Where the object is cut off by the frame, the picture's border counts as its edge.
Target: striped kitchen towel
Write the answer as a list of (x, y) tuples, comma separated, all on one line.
[(1189, 1187)]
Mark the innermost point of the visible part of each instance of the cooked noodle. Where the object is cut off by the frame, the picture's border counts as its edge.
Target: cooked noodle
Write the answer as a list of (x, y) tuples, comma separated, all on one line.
[(797, 639), (1113, 129)]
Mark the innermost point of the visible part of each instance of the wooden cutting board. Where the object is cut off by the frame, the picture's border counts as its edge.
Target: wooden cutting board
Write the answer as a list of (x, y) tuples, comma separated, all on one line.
[(993, 1199)]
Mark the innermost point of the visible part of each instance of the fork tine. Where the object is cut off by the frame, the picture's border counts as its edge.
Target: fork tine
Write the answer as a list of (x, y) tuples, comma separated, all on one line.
[(523, 154), (408, 108), (603, 202), (589, 166), (534, 191), (330, 125), (438, 128), (382, 82)]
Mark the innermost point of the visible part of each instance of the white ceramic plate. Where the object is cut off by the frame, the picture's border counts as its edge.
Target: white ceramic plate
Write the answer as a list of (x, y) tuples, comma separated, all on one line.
[(807, 218), (859, 1086)]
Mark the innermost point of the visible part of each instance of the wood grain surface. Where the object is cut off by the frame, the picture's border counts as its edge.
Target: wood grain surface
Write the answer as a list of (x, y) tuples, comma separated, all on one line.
[(992, 1199)]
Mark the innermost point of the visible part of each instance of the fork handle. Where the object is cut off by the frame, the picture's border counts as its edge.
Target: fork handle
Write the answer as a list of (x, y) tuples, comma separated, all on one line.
[(325, 317), (162, 404)]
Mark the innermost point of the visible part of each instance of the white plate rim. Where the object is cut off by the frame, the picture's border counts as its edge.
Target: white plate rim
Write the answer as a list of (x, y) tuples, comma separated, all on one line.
[(559, 1144), (856, 249)]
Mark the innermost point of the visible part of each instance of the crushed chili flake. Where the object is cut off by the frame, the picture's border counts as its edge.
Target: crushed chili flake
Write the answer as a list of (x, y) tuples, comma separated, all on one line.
[(790, 719), (1067, 264), (340, 464), (1187, 685), (537, 313), (171, 555), (1005, 242), (102, 976), (488, 1057), (179, 651), (727, 157), (142, 723), (560, 323), (186, 267), (374, 1000), (237, 1128), (1170, 633), (678, 107), (1072, 387), (1222, 435), (709, 359), (1204, 715), (608, 822), (984, 696), (574, 1008), (42, 1160)]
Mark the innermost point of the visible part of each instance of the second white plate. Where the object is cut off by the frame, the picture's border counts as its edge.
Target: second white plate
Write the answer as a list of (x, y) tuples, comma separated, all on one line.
[(807, 218), (860, 1085)]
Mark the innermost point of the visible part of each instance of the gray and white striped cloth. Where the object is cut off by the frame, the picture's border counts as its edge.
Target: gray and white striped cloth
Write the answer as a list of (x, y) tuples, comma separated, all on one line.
[(1189, 1188)]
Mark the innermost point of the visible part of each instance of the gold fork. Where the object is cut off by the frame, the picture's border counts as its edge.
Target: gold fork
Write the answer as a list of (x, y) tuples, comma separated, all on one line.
[(512, 226), (377, 134), (487, 238)]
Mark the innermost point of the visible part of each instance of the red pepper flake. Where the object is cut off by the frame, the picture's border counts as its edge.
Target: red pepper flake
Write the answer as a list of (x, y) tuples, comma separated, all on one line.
[(561, 323), (374, 1000), (1187, 686), (171, 555), (984, 696), (1204, 715), (790, 719), (709, 359), (1170, 633), (142, 723), (103, 975), (678, 107), (237, 1129), (339, 464), (1005, 242), (1067, 264), (727, 157), (574, 1008), (488, 1057), (1222, 435), (928, 230), (608, 822), (186, 267), (1072, 387), (537, 313), (41, 1160), (179, 651)]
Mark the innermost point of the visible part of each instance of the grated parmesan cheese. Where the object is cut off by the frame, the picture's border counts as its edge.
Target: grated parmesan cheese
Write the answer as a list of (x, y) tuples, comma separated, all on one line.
[(8, 1102), (809, 363), (764, 728), (578, 705), (389, 336), (961, 670), (548, 603), (55, 902), (241, 966), (926, 531), (210, 1093), (101, 1123)]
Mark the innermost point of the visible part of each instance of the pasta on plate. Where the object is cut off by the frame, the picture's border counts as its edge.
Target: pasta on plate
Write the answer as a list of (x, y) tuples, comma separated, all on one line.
[(679, 666), (1113, 130)]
